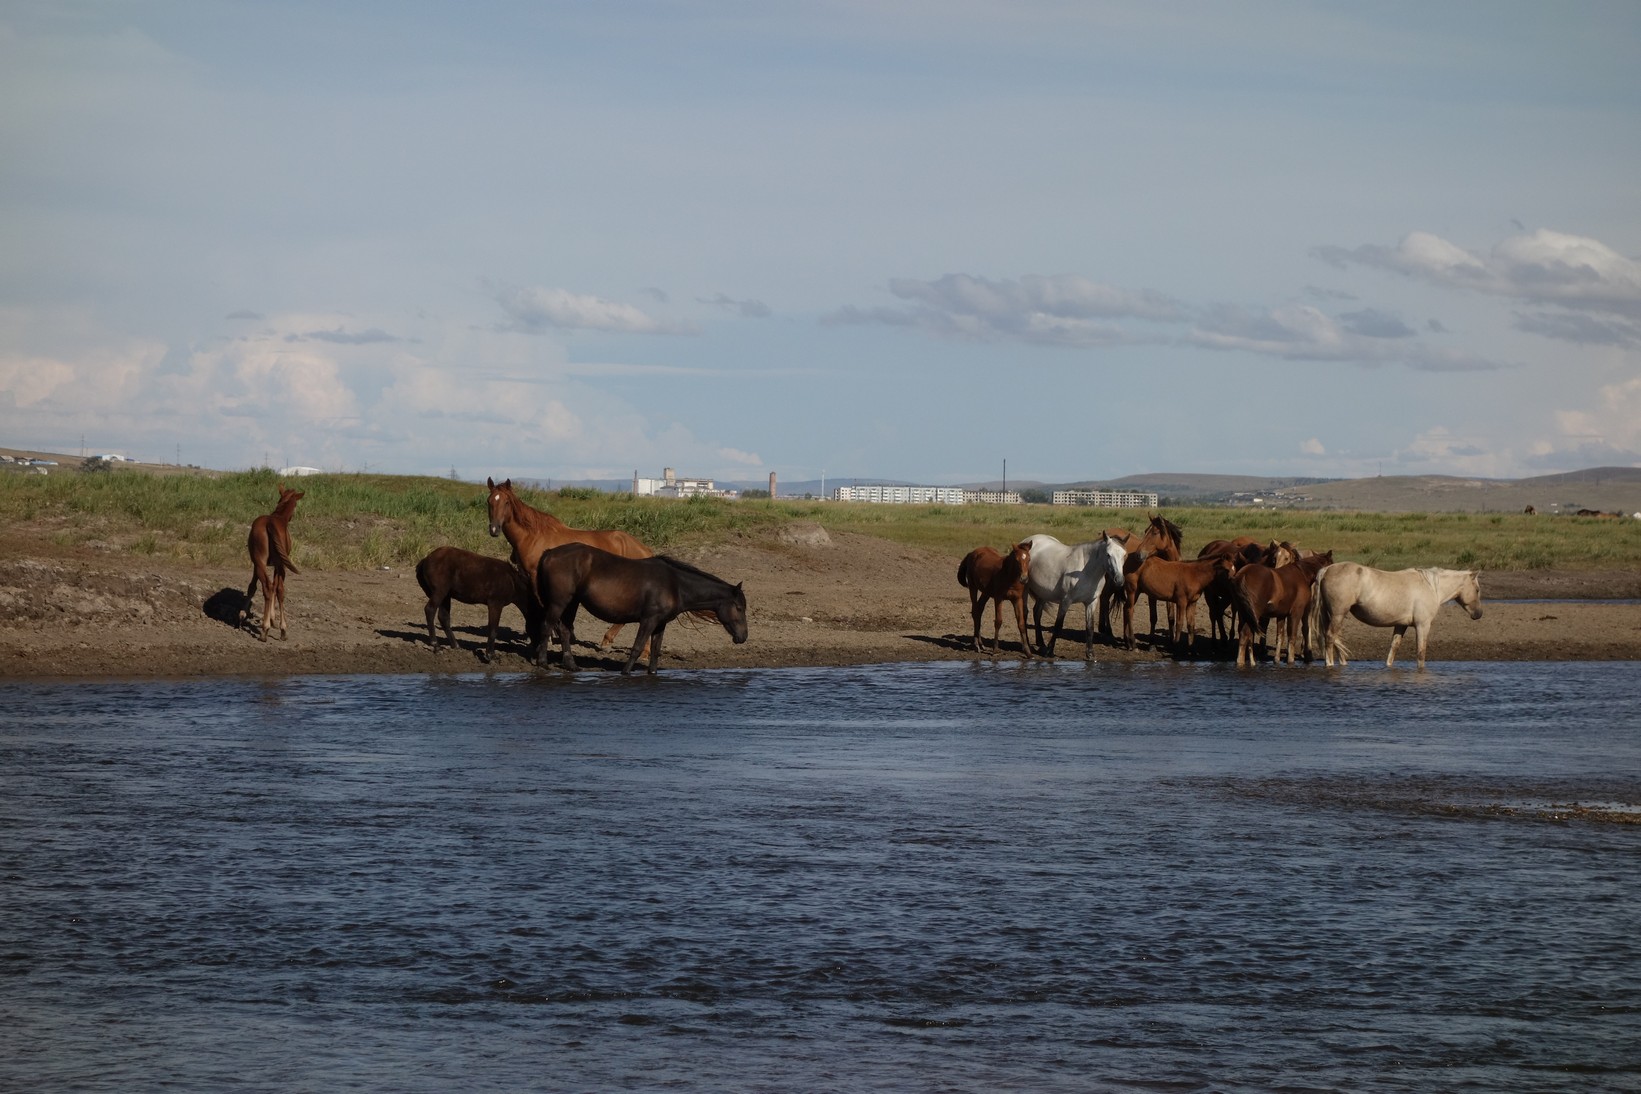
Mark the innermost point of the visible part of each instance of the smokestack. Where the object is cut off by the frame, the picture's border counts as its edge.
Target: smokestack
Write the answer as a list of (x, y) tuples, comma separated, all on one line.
[(667, 474), (772, 484)]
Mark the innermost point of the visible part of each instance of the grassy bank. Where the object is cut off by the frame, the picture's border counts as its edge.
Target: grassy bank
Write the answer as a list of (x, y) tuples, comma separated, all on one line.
[(364, 521)]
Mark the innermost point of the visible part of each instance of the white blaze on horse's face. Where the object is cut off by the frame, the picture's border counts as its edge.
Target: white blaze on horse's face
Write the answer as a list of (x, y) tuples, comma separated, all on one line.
[(495, 525)]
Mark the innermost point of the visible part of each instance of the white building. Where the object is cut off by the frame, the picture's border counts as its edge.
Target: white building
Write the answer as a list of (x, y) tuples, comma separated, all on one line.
[(1106, 499), (669, 485), (903, 495), (995, 497)]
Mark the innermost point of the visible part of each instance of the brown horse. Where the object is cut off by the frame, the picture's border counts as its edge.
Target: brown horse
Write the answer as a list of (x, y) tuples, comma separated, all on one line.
[(1244, 551), (990, 575), (651, 592), (1162, 538), (450, 573), (1180, 584), (269, 545), (1262, 593), (532, 531)]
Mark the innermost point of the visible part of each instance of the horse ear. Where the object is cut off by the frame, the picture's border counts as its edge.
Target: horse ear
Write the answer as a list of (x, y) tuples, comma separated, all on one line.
[(509, 483), (489, 483)]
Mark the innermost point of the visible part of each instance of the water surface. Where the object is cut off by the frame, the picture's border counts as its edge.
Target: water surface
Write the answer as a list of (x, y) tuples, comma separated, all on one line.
[(921, 877)]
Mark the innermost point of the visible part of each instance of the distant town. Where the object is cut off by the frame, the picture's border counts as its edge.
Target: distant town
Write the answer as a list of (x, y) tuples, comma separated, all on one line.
[(672, 485)]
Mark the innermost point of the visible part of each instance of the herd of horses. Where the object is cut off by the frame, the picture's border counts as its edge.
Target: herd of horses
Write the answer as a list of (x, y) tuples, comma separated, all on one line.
[(1306, 594), (555, 570)]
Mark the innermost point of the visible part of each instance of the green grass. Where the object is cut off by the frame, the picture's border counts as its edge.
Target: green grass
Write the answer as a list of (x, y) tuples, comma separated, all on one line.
[(363, 521)]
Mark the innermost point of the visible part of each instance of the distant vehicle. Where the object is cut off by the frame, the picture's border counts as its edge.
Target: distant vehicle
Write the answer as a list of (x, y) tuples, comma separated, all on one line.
[(43, 463), (114, 457)]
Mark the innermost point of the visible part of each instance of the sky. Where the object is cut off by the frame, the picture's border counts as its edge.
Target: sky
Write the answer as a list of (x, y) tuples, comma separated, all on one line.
[(923, 241)]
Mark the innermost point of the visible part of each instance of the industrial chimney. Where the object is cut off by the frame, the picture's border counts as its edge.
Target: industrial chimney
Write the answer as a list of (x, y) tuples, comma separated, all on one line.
[(772, 485)]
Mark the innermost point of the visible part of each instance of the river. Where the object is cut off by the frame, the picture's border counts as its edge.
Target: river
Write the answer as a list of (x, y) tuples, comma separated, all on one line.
[(955, 877)]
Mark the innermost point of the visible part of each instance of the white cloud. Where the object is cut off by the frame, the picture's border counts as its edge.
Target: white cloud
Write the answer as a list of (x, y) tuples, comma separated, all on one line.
[(1611, 429), (1313, 447), (1300, 332), (535, 309), (1061, 310), (1574, 275), (739, 458)]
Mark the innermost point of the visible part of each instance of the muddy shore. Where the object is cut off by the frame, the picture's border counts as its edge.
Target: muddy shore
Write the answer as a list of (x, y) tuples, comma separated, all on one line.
[(75, 613)]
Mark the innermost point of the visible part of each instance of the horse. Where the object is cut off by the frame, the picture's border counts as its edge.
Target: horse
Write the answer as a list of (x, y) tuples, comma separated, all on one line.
[(450, 573), (990, 575), (650, 591), (1063, 576), (1261, 592), (1387, 598), (1162, 538), (1178, 583), (531, 531), (1244, 551), (269, 546)]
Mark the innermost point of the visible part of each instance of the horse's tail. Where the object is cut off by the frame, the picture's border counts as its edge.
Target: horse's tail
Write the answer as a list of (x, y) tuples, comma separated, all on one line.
[(1243, 602), (1319, 617), (422, 578), (963, 570)]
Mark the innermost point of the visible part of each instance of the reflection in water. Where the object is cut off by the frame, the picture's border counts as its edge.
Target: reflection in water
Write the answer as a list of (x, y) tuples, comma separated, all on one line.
[(1056, 877)]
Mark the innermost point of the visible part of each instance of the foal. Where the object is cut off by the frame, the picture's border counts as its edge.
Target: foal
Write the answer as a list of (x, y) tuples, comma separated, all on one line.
[(450, 573), (269, 545), (989, 575)]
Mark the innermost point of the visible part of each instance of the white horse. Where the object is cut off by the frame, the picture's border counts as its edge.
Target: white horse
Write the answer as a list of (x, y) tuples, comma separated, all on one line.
[(1064, 576), (1388, 598)]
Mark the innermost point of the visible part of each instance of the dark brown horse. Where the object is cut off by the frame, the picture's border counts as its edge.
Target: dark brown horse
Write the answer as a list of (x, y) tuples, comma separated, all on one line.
[(990, 575), (269, 545), (1261, 593), (651, 592), (450, 573), (1180, 584), (532, 531)]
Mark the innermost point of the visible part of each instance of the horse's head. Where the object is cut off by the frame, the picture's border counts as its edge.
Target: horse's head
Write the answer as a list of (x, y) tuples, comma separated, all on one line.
[(732, 614), (501, 503), (1281, 554), (1020, 558), (1469, 595), (288, 499), (1160, 538)]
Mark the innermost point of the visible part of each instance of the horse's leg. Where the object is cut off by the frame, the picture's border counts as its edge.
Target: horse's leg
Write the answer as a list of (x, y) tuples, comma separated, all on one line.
[(979, 610), (645, 629), (566, 635), (495, 607), (1128, 621), (1054, 635), (1020, 623), (279, 583), (250, 597), (1421, 632), (444, 620), (1395, 641), (655, 644), (430, 611)]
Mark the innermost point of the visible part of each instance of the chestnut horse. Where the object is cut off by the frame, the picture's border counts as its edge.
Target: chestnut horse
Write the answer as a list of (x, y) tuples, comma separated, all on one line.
[(1262, 592), (990, 575), (1245, 550), (1162, 538), (1178, 583), (269, 545), (651, 592), (450, 573), (532, 531)]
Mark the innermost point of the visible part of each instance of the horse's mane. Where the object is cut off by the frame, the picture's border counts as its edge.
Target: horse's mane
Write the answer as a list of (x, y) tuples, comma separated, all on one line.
[(1174, 531), (689, 568)]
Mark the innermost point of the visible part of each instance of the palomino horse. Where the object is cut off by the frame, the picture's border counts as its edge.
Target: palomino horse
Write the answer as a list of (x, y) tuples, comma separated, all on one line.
[(1261, 593), (1393, 598), (651, 592), (450, 573), (1162, 538), (1178, 583), (1064, 576), (532, 531), (269, 545), (990, 575)]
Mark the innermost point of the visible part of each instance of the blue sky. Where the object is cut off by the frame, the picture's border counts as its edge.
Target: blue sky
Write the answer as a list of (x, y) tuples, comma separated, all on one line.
[(871, 239)]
